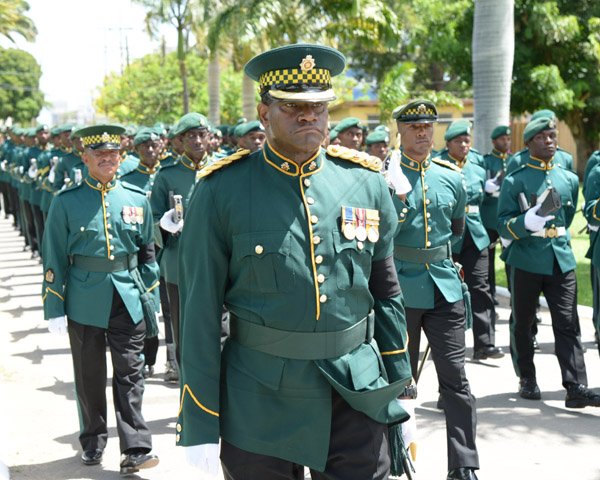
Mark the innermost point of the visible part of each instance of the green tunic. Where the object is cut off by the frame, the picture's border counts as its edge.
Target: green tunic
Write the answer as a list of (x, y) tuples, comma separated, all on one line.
[(438, 196), (562, 158), (495, 162), (103, 222), (529, 252), (142, 177), (264, 238)]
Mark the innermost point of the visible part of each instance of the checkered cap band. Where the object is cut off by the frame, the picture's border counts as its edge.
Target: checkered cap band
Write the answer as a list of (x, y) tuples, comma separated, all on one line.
[(317, 77), (104, 138), (418, 111)]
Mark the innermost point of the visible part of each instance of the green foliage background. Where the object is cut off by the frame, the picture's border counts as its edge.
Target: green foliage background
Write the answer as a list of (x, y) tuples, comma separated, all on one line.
[(20, 95)]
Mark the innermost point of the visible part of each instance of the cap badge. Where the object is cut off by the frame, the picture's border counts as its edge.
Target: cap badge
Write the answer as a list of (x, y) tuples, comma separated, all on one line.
[(105, 137), (421, 109), (307, 63), (551, 124)]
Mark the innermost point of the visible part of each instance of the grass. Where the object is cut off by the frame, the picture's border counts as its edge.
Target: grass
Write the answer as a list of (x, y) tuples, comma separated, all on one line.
[(580, 243)]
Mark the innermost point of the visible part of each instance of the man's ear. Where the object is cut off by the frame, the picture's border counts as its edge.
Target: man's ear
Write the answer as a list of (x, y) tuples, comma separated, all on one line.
[(263, 114)]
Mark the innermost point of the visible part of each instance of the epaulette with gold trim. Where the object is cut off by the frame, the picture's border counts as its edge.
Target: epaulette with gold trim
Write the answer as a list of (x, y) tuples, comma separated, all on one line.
[(223, 162), (445, 163), (362, 158)]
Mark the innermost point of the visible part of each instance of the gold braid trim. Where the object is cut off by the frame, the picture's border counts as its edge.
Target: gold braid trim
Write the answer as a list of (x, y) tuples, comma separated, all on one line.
[(213, 167), (445, 163), (362, 158)]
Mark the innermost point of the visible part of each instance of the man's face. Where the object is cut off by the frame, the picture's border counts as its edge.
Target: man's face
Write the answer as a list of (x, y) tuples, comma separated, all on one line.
[(379, 149), (43, 136), (417, 139), (195, 143), (543, 145), (77, 144), (502, 143), (253, 141), (102, 164), (65, 139), (149, 152), (176, 144), (351, 138), (126, 143), (295, 129), (459, 146)]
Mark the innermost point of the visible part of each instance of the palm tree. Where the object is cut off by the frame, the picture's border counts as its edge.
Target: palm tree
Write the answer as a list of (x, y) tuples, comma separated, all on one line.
[(493, 53), (13, 19), (177, 13)]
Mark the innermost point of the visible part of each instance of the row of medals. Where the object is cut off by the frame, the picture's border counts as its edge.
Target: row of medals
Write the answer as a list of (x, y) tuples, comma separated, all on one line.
[(360, 224)]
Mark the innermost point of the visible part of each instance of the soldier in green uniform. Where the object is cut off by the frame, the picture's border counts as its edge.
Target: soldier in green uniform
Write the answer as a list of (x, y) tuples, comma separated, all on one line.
[(430, 199), (177, 179), (350, 133), (251, 135), (495, 168), (591, 192), (542, 260), (472, 250), (296, 241), (129, 160), (378, 144), (100, 283), (148, 147)]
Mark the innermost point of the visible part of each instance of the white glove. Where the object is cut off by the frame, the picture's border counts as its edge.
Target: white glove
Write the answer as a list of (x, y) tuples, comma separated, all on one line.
[(397, 178), (57, 325), (32, 172), (51, 175), (505, 241), (204, 457), (21, 170), (409, 428), (533, 222), (491, 186), (167, 223)]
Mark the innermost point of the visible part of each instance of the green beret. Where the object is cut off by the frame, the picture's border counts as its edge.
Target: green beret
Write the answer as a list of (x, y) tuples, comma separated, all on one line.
[(542, 114), (499, 131), (300, 72), (347, 123), (55, 131), (31, 132), (377, 136), (536, 126), (245, 128), (458, 128), (189, 121), (145, 134), (333, 133), (416, 111), (42, 128), (130, 130), (383, 127), (101, 137), (224, 129)]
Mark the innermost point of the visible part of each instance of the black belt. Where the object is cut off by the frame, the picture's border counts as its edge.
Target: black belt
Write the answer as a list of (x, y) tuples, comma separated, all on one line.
[(105, 265), (301, 345), (423, 255)]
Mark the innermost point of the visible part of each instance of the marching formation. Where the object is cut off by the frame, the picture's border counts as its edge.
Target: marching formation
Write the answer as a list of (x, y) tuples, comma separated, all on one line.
[(295, 272)]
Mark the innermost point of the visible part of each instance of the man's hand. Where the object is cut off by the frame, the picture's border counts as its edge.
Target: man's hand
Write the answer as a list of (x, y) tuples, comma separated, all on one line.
[(491, 186), (57, 325), (167, 223), (204, 457), (533, 222)]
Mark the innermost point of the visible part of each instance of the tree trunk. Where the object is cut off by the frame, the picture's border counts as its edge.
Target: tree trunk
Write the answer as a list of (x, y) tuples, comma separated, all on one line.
[(184, 83), (493, 54), (214, 76), (584, 142), (248, 98)]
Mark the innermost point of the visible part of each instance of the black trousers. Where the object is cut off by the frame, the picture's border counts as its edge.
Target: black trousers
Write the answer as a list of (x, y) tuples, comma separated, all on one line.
[(475, 265), (560, 290), (38, 223), (88, 348), (6, 200), (16, 209), (358, 450), (444, 326), (493, 234), (29, 224), (173, 295)]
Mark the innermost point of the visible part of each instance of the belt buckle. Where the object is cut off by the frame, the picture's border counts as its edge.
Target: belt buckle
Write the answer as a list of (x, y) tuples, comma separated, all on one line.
[(551, 232)]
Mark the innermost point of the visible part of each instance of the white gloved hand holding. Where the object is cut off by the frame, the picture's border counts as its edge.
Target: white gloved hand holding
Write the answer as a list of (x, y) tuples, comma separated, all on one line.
[(32, 172), (491, 186), (167, 223), (409, 428), (204, 457), (505, 242), (51, 175), (533, 222), (57, 325), (397, 178)]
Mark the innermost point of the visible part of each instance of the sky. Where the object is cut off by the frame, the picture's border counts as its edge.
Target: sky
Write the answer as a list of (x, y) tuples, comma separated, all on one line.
[(79, 42)]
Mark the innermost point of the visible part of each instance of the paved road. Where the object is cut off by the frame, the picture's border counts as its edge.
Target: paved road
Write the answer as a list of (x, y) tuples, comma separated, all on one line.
[(517, 439)]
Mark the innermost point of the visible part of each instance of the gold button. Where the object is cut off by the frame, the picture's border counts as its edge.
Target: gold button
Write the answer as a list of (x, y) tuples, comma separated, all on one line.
[(316, 239), (108, 225), (310, 200), (98, 185), (314, 218), (428, 215), (426, 187), (112, 257), (320, 278), (323, 298), (427, 201), (360, 245), (306, 182), (429, 229), (259, 249), (110, 236), (107, 204), (178, 427), (107, 214), (402, 215), (319, 259), (404, 210), (82, 229), (111, 247), (177, 438), (429, 244)]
